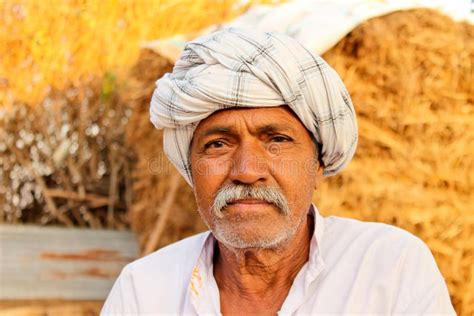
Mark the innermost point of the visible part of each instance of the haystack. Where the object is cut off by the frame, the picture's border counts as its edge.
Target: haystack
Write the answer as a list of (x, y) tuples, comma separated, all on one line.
[(410, 77), (164, 208)]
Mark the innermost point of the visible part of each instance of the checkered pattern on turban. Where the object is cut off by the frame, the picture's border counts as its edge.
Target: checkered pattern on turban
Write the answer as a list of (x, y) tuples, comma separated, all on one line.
[(246, 68)]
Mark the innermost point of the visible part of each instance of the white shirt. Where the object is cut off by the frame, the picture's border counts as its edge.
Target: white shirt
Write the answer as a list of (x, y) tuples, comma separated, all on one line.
[(354, 267)]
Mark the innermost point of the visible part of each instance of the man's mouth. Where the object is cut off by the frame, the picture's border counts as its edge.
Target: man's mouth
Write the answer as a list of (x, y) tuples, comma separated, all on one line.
[(248, 201)]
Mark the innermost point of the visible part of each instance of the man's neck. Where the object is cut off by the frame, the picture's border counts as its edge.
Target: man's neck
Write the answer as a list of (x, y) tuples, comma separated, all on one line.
[(253, 275)]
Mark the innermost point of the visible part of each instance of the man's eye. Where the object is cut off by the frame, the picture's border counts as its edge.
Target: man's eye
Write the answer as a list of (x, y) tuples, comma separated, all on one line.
[(280, 139), (214, 144)]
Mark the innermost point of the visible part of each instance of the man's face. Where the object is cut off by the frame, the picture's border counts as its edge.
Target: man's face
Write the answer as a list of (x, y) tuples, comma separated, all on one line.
[(254, 171)]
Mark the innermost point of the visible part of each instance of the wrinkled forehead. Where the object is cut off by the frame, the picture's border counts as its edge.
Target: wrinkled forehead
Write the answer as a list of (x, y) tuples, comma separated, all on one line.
[(253, 117)]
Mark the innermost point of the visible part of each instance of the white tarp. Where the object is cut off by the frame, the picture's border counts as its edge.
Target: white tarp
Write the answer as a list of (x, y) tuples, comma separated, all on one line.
[(318, 24), (321, 24)]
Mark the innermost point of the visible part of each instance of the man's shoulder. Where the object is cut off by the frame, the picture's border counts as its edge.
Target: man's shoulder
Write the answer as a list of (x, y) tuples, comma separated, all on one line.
[(384, 249), (350, 228), (156, 282), (173, 262), (371, 238), (180, 252), (395, 262)]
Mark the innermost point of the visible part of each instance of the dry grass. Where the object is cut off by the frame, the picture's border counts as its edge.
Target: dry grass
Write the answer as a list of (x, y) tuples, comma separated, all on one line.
[(65, 160)]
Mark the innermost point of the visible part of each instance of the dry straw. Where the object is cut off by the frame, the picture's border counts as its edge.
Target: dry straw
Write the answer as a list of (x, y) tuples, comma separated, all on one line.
[(410, 76), (157, 221)]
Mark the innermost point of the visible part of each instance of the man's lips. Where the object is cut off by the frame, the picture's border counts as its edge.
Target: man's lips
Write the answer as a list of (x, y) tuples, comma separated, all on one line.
[(248, 201)]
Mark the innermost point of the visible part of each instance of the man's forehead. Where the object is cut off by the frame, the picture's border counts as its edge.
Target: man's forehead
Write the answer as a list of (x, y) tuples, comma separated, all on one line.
[(262, 119), (272, 127)]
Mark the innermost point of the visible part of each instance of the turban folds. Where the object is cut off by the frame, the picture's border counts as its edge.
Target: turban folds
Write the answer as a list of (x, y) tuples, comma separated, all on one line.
[(246, 68)]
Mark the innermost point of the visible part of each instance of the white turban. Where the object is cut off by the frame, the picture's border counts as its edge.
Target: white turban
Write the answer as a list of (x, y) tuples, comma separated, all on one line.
[(246, 68)]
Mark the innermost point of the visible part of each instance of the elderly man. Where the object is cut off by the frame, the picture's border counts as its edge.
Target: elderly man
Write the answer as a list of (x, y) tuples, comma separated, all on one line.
[(253, 121)]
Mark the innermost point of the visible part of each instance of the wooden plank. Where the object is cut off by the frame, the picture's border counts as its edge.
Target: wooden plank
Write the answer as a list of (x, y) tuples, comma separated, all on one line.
[(50, 307), (63, 263)]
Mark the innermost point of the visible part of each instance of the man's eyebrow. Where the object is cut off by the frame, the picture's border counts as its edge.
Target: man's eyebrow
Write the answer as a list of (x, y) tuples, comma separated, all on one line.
[(274, 128), (267, 128), (215, 130)]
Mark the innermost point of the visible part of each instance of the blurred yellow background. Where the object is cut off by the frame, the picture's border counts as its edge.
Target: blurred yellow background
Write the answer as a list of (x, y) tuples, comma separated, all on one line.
[(54, 43)]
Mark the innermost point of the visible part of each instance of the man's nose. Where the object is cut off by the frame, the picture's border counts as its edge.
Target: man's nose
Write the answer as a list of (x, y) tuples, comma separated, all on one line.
[(249, 164)]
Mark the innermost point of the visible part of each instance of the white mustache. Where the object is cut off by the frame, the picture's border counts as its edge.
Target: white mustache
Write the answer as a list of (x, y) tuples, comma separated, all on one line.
[(232, 192)]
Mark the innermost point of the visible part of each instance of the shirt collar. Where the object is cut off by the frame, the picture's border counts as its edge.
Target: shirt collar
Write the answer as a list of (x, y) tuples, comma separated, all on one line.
[(315, 262)]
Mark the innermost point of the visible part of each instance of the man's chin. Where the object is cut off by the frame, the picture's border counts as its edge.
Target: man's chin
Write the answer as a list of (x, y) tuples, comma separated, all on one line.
[(234, 239)]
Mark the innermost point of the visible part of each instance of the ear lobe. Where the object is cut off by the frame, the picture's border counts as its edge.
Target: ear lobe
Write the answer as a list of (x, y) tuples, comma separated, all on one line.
[(319, 176)]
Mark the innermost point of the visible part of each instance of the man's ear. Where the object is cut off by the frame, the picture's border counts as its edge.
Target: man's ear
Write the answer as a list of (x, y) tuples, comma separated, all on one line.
[(319, 176)]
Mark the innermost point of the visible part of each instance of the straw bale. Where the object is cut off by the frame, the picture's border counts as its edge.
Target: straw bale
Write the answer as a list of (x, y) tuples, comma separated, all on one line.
[(155, 202), (410, 77)]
